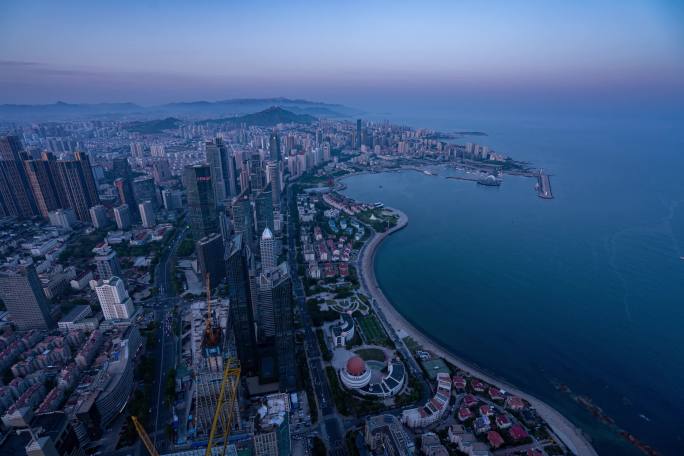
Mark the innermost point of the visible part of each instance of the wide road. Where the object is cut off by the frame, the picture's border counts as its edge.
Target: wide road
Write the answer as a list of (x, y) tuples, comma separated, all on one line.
[(330, 418), (164, 351)]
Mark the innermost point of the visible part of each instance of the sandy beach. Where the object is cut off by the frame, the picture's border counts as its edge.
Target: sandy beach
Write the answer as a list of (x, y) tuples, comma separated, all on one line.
[(564, 429)]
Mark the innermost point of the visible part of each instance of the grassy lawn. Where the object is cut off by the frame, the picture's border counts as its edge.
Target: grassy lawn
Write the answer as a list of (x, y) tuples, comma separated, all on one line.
[(411, 344), (372, 329), (371, 354)]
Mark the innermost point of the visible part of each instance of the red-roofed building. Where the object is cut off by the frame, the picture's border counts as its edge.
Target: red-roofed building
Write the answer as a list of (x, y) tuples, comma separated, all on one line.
[(534, 452), (495, 440), (458, 382), (495, 394), (515, 403), (486, 410), (469, 400), (478, 386), (503, 422), (464, 414), (517, 432)]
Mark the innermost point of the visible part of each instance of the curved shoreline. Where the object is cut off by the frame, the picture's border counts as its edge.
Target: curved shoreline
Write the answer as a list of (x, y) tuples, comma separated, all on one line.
[(567, 432)]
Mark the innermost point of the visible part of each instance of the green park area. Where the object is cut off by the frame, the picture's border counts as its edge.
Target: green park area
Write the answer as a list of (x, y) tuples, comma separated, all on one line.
[(373, 331)]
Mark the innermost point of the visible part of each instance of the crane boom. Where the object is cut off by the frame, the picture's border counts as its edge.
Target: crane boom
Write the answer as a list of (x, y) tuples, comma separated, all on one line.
[(144, 437), (229, 372)]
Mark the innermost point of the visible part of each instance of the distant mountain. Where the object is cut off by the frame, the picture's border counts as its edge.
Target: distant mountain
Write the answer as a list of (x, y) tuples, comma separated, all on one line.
[(194, 110), (267, 118), (154, 126)]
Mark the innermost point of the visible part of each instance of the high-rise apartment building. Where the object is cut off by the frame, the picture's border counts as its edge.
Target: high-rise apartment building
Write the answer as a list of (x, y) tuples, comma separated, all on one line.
[(126, 196), (144, 189), (106, 262), (273, 176), (22, 293), (16, 197), (98, 216), (122, 215), (274, 147), (114, 299), (148, 215), (263, 210)]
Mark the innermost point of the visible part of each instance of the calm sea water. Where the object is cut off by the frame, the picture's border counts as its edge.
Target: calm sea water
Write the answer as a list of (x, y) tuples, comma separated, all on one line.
[(586, 289)]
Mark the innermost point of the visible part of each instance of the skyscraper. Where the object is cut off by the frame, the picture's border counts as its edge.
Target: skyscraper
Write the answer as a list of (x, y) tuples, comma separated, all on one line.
[(273, 175), (23, 295), (201, 208), (276, 319), (78, 183), (98, 216), (122, 215), (210, 251), (217, 159), (16, 197), (267, 248), (147, 214), (263, 209), (243, 218), (274, 147), (256, 174), (46, 187), (144, 189), (114, 299), (121, 169), (126, 195), (357, 144), (241, 310)]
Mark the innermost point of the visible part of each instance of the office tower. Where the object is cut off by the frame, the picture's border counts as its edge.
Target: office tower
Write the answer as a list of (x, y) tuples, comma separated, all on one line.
[(107, 262), (145, 190), (201, 208), (114, 299), (121, 169), (210, 262), (276, 321), (326, 152), (263, 209), (273, 175), (98, 216), (147, 214), (217, 157), (241, 309), (267, 248), (358, 134), (16, 197), (78, 183), (122, 215), (173, 199), (126, 195), (243, 218), (161, 171), (22, 293), (46, 187), (63, 218), (256, 174), (274, 147)]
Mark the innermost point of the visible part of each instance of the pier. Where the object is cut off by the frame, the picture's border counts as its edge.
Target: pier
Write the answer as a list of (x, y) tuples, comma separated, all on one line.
[(544, 185)]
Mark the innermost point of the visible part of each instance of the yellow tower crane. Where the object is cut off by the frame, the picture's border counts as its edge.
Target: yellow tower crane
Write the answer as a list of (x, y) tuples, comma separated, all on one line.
[(144, 437), (231, 374)]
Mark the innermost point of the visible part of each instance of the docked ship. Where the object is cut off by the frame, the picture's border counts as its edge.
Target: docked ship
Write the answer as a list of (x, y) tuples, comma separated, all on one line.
[(489, 181)]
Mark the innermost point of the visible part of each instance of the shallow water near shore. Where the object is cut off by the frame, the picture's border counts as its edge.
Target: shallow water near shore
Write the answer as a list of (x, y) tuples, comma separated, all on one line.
[(585, 290)]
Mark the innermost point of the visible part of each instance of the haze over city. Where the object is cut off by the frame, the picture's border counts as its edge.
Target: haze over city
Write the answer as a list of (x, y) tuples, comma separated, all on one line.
[(330, 228)]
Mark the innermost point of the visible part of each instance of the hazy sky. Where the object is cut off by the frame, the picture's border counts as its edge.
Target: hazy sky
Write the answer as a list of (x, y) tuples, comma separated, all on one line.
[(159, 51)]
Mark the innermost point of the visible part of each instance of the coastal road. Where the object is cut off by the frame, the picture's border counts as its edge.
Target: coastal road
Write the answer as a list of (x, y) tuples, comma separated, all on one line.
[(330, 419)]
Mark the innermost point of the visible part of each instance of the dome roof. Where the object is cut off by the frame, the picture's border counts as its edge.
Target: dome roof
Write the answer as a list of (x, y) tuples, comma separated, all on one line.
[(356, 366)]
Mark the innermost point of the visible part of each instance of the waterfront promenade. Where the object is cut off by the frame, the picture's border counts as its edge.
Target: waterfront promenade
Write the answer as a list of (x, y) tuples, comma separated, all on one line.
[(571, 436)]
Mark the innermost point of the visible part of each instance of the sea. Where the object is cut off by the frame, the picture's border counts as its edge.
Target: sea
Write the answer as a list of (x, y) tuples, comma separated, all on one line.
[(578, 296)]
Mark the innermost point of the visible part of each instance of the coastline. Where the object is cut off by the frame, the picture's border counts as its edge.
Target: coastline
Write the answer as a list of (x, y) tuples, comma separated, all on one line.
[(567, 432)]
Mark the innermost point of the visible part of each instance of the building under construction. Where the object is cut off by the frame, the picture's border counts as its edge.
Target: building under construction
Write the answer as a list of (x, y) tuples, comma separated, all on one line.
[(212, 347)]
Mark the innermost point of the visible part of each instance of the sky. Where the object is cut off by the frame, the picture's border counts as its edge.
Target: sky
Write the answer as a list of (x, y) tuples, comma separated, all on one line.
[(152, 52)]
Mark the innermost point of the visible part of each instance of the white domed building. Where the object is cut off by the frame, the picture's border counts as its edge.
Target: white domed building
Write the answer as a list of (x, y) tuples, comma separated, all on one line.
[(355, 374)]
